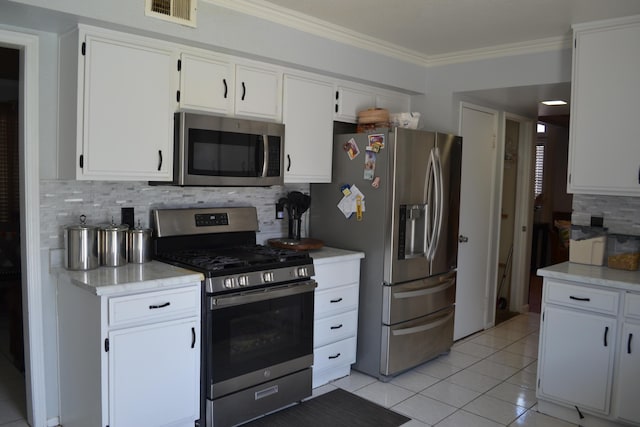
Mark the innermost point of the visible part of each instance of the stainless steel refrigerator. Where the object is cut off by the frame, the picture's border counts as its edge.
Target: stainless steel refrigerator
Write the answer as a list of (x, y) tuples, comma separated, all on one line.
[(395, 196)]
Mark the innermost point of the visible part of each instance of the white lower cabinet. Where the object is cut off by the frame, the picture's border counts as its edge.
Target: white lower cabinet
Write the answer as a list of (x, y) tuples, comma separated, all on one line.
[(151, 374), (335, 313), (589, 364), (577, 362), (628, 376), (129, 359)]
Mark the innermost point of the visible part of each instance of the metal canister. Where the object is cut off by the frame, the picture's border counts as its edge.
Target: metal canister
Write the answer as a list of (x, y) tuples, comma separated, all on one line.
[(112, 240), (81, 246), (139, 245)]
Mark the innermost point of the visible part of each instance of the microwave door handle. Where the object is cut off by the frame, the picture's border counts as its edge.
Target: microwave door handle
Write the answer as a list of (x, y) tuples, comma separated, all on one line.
[(265, 155)]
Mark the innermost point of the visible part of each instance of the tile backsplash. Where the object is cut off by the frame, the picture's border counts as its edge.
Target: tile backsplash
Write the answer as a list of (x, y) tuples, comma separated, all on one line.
[(621, 214), (62, 203)]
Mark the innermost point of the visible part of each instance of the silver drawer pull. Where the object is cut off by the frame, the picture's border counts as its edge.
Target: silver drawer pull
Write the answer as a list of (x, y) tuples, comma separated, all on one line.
[(153, 307), (422, 328), (266, 392), (424, 292)]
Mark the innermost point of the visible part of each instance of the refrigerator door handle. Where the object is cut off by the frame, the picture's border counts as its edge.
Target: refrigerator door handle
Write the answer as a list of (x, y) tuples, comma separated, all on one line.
[(422, 328), (424, 292), (435, 219), (439, 200)]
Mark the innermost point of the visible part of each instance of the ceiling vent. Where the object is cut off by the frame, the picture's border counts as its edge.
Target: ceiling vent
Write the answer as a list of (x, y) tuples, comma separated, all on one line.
[(178, 11)]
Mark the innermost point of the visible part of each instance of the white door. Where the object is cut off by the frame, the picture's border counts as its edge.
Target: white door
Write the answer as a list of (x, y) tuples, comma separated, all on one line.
[(478, 128)]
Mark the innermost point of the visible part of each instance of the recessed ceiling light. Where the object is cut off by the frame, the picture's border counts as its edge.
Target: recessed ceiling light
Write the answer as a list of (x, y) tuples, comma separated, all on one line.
[(554, 102)]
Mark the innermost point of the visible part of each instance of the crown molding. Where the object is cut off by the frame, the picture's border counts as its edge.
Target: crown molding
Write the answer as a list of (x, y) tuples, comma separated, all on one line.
[(532, 46), (302, 22)]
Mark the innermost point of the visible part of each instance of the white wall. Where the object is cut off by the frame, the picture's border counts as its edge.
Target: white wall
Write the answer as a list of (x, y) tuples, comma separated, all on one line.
[(446, 85)]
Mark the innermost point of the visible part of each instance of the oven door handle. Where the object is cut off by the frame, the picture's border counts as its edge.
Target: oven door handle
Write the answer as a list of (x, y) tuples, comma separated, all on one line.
[(261, 295)]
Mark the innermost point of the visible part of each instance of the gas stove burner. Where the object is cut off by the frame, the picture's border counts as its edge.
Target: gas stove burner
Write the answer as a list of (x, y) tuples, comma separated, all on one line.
[(278, 254)]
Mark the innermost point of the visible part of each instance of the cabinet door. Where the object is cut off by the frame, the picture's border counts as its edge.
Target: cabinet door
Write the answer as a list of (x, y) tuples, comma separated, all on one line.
[(604, 151), (308, 129), (206, 84), (576, 357), (258, 92), (154, 374), (628, 379), (129, 99), (350, 101)]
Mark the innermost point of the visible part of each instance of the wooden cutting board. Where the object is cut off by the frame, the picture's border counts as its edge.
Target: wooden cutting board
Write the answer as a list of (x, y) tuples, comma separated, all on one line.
[(297, 245)]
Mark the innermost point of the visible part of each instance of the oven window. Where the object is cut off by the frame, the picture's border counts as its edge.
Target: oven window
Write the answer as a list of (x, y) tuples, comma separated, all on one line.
[(254, 336), (215, 153)]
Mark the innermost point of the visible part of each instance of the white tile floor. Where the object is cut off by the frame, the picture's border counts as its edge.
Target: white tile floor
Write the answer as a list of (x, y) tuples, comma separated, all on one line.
[(487, 379)]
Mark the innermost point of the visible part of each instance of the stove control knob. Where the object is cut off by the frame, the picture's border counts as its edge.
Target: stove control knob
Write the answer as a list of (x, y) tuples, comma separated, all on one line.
[(243, 280), (302, 272), (228, 282), (267, 276)]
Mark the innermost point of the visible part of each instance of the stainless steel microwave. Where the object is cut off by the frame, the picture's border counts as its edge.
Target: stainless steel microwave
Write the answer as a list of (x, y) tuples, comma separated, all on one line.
[(224, 151)]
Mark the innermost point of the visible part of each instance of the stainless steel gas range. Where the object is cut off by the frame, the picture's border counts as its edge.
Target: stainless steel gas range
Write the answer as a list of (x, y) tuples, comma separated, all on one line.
[(257, 311)]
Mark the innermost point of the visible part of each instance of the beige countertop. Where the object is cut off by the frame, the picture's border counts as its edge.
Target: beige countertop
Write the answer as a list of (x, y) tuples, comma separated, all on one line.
[(593, 275), (152, 275)]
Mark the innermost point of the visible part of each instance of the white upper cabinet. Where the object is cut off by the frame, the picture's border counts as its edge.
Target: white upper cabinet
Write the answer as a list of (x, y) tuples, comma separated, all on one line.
[(216, 84), (206, 84), (116, 107), (349, 101), (308, 129), (258, 92), (604, 153)]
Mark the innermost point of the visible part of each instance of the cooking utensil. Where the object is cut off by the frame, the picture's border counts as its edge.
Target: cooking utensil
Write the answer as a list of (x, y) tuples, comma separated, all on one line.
[(81, 246)]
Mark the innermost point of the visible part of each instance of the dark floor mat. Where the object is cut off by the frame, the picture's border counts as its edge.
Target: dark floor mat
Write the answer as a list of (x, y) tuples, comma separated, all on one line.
[(337, 408)]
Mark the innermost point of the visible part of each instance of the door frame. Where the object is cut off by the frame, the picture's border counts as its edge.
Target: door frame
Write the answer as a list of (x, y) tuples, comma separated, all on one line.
[(522, 233), (28, 140)]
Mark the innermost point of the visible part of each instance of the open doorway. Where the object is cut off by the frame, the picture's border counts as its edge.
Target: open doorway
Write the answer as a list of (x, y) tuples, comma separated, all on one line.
[(508, 222), (12, 360), (553, 205)]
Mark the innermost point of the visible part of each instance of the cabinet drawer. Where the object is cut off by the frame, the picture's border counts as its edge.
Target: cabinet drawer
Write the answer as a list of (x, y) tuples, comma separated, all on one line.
[(332, 329), (335, 300), (152, 305), (334, 274), (632, 305), (579, 296), (336, 354)]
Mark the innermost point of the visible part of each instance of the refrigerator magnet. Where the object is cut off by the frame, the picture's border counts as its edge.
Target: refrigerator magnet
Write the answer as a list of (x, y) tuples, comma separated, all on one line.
[(351, 148), (345, 189), (376, 142), (376, 182), (369, 164)]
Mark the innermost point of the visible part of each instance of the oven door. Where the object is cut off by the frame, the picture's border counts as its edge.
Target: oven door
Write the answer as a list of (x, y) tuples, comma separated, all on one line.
[(258, 336)]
